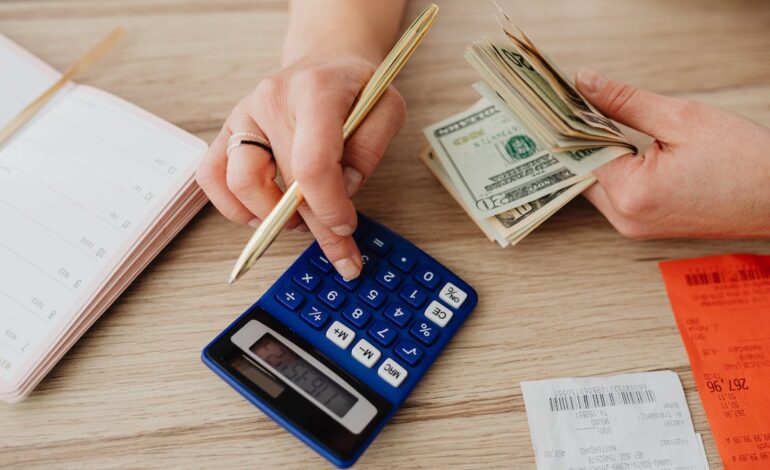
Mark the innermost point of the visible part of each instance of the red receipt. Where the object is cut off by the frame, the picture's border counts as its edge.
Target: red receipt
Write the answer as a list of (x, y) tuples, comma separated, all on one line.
[(722, 308)]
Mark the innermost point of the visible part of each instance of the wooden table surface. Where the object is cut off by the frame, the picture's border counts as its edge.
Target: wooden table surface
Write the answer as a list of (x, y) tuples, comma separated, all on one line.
[(574, 299)]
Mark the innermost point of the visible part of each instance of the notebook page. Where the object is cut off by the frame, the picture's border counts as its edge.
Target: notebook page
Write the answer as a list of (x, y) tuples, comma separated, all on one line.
[(23, 79), (78, 188)]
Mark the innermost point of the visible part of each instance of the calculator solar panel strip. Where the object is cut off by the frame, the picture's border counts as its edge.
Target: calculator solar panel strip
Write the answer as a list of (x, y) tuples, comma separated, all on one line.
[(332, 361)]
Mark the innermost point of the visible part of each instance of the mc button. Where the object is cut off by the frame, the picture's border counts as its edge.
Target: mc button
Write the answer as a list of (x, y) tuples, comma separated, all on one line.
[(391, 372)]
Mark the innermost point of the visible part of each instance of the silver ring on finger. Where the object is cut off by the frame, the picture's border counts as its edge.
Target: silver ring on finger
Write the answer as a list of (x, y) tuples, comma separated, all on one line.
[(248, 138)]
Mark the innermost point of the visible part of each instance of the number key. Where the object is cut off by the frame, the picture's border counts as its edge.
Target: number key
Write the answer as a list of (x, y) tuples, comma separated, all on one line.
[(398, 314), (349, 285), (332, 297), (388, 278), (413, 296), (372, 295), (382, 333), (428, 277), (356, 315)]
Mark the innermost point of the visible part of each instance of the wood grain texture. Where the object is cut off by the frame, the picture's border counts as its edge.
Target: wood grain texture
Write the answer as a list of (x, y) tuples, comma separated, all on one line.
[(575, 298)]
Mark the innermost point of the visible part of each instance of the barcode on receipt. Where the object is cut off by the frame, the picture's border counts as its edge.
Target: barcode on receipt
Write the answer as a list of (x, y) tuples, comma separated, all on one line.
[(601, 400)]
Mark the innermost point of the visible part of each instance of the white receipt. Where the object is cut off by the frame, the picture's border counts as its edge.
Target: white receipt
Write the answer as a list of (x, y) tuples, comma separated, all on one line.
[(623, 422)]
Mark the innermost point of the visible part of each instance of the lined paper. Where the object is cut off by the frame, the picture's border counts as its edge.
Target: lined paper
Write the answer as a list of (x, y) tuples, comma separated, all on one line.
[(80, 186)]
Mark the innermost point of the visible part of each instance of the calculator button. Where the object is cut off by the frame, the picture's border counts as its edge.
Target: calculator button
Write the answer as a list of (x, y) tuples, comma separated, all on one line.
[(368, 262), (320, 262), (383, 333), (438, 314), (307, 280), (372, 295), (391, 372), (340, 334), (409, 351), (332, 296), (349, 285), (388, 278), (290, 298), (398, 314), (452, 295), (378, 244), (427, 277), (413, 296), (315, 317), (365, 353), (425, 332), (402, 261), (357, 316)]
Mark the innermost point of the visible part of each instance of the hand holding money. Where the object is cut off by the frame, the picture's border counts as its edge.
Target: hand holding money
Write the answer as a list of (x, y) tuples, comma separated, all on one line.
[(705, 176), (535, 141)]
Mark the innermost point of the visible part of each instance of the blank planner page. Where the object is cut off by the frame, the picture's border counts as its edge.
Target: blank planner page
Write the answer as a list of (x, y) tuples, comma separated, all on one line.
[(80, 185)]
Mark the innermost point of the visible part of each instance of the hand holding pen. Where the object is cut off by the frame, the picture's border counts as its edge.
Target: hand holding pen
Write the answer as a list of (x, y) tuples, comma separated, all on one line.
[(299, 114)]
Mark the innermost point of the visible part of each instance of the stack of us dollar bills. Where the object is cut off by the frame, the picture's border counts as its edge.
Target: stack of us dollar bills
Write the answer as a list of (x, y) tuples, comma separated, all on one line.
[(527, 147)]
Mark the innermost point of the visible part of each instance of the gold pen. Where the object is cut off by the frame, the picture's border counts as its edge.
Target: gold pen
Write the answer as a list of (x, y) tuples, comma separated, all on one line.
[(371, 93)]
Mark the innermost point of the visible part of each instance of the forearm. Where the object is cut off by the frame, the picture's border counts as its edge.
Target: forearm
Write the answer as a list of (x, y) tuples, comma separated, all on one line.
[(363, 28)]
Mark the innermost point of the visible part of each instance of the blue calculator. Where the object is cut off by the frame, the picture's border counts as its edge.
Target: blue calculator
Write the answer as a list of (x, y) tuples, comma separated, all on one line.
[(332, 360)]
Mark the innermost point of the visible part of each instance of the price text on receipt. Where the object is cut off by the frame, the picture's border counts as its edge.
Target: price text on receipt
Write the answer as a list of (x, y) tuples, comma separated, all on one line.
[(722, 308)]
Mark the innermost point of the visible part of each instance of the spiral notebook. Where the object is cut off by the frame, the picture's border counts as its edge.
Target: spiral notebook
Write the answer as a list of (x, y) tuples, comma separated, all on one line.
[(91, 189)]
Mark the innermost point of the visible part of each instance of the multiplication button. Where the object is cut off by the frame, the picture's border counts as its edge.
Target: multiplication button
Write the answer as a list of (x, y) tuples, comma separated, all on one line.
[(340, 334), (365, 353), (391, 372), (452, 295), (307, 280), (438, 314)]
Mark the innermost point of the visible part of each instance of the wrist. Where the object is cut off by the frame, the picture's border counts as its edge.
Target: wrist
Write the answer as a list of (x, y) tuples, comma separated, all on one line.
[(323, 51)]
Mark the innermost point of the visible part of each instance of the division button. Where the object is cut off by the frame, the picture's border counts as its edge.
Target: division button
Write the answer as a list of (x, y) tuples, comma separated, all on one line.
[(391, 372), (340, 334), (365, 353), (290, 298)]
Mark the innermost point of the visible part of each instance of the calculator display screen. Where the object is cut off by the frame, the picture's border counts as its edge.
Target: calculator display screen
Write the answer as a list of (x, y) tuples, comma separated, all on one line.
[(304, 375)]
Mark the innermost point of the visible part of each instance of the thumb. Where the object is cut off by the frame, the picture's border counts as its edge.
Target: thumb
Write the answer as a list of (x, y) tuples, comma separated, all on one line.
[(640, 109)]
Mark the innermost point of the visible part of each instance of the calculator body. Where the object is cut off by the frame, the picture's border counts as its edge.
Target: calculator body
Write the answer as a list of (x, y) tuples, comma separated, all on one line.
[(331, 360)]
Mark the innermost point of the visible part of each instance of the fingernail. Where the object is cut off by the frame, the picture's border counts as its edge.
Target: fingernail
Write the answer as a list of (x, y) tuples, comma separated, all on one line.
[(343, 230), (352, 178), (347, 268), (255, 222), (302, 227), (592, 81)]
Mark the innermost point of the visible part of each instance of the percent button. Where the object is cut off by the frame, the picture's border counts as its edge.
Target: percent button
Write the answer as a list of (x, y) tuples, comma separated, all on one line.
[(424, 332)]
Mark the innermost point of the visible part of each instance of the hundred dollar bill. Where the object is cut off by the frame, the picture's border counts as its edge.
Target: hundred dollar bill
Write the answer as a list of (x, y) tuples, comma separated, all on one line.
[(496, 164)]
